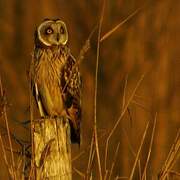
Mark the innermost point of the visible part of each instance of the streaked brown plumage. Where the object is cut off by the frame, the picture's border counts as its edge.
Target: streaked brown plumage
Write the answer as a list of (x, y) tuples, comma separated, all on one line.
[(56, 81)]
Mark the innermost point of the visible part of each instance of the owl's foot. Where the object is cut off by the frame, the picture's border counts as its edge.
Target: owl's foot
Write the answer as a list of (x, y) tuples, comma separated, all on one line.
[(65, 115), (45, 117)]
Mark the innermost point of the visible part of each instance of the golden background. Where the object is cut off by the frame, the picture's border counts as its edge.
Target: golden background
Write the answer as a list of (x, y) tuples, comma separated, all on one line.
[(147, 43)]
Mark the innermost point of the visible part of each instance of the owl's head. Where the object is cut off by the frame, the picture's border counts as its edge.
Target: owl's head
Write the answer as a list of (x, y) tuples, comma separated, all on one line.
[(52, 33)]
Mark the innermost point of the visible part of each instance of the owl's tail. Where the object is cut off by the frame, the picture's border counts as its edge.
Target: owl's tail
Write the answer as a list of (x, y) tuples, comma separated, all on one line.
[(75, 133), (74, 113)]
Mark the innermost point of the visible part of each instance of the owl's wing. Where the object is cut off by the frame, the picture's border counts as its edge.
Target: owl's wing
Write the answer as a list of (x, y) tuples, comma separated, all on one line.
[(38, 99), (35, 91), (71, 90)]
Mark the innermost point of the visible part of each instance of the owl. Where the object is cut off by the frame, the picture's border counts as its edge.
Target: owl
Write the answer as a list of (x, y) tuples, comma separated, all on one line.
[(56, 81)]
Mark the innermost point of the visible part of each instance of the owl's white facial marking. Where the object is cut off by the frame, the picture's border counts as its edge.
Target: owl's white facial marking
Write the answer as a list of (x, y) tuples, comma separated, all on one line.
[(53, 33)]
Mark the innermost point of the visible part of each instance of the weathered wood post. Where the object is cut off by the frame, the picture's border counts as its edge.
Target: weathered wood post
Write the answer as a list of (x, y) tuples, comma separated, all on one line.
[(52, 149)]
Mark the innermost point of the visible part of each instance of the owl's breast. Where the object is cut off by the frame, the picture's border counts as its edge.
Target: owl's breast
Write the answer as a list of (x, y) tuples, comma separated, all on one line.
[(48, 75)]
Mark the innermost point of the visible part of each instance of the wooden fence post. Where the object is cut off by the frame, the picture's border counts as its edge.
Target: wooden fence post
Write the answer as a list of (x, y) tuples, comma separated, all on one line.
[(52, 149)]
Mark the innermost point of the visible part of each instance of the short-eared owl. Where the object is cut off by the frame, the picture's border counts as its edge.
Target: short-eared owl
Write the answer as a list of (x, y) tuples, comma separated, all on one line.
[(56, 81)]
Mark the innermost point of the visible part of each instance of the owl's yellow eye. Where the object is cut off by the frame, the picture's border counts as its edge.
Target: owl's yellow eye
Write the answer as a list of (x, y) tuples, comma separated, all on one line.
[(62, 31), (49, 30)]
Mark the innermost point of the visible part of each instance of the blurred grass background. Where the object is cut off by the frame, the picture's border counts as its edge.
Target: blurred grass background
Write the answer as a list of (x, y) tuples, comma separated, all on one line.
[(148, 42)]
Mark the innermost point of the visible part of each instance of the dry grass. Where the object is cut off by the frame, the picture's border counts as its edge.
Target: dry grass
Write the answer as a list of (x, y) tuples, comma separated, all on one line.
[(115, 155), (172, 158)]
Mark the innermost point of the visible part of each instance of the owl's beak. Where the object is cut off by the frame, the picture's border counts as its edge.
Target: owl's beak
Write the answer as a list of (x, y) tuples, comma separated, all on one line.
[(58, 37)]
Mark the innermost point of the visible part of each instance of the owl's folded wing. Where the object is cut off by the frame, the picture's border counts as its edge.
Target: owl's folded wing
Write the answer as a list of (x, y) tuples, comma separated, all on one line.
[(71, 90)]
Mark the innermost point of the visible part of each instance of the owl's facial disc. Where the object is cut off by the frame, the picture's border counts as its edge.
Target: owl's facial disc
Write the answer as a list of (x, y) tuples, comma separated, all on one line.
[(53, 33)]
